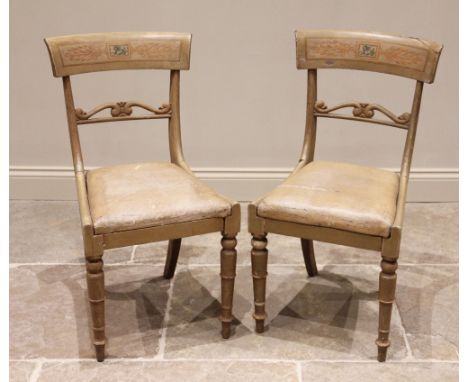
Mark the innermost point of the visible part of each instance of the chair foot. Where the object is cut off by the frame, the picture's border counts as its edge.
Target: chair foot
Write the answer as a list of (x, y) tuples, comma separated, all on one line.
[(382, 351), (259, 326), (100, 352), (226, 330)]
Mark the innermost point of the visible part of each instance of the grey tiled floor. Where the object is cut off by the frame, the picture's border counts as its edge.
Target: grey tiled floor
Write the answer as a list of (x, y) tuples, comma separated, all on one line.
[(320, 329)]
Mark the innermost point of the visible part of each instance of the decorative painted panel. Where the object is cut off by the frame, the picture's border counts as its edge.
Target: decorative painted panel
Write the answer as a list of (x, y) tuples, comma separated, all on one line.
[(93, 53), (391, 54), (408, 57), (111, 51)]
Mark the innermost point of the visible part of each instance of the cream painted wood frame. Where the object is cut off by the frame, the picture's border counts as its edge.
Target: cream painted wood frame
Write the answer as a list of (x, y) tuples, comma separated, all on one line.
[(77, 54), (316, 49)]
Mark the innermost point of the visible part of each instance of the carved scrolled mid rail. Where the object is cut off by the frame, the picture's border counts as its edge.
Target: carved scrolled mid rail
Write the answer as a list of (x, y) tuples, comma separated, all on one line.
[(122, 111), (363, 112)]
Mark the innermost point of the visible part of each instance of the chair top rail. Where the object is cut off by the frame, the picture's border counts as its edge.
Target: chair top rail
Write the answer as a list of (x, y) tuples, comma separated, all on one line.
[(85, 53), (403, 56)]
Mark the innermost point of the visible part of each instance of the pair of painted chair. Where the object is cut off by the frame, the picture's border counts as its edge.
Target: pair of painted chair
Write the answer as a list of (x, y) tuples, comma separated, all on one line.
[(333, 202)]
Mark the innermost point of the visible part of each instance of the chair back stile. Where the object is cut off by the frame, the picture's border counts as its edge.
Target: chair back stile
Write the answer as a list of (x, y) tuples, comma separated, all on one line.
[(72, 126), (175, 136), (408, 154), (308, 148)]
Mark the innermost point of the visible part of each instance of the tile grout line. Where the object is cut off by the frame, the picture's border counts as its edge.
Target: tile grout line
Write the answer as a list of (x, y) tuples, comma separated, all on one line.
[(410, 355), (259, 360), (37, 371), (162, 339), (14, 265), (299, 371), (132, 256), (327, 264)]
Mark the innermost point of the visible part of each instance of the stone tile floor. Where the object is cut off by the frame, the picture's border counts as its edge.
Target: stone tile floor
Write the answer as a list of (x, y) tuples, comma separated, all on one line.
[(319, 329)]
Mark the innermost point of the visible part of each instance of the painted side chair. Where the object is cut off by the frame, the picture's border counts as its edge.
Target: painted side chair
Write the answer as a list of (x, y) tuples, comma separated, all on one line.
[(140, 203), (344, 203)]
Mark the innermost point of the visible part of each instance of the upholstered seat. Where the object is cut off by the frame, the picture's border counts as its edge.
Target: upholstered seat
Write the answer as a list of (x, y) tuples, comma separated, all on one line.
[(128, 197), (337, 195)]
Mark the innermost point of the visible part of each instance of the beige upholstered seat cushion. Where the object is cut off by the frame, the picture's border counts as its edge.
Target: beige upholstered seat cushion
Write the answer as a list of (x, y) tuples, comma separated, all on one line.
[(337, 195), (128, 197)]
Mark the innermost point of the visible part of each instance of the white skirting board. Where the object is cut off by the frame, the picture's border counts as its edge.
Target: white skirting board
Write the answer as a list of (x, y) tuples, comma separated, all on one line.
[(242, 184)]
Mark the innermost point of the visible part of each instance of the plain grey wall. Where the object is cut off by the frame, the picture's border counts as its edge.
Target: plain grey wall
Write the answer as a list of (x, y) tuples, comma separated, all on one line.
[(243, 101)]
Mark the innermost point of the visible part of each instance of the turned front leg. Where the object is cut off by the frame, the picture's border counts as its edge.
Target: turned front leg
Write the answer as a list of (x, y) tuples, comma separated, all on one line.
[(95, 281), (259, 273), (387, 286), (228, 274)]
